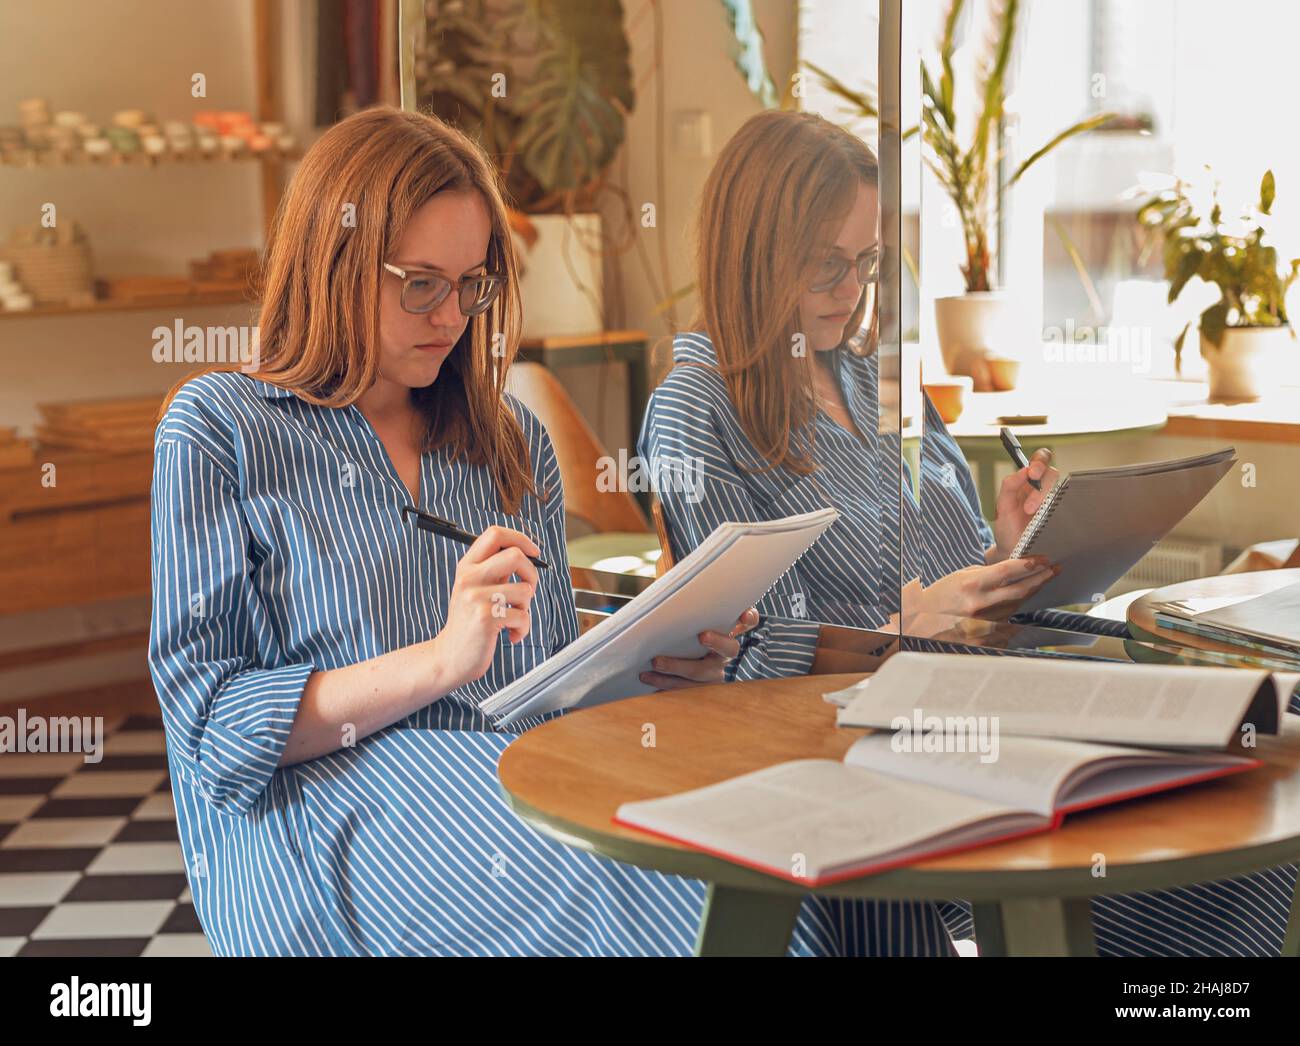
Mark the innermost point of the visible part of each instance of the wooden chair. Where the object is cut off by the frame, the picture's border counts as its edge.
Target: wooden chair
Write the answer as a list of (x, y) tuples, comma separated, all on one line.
[(666, 560), (1266, 555), (619, 527)]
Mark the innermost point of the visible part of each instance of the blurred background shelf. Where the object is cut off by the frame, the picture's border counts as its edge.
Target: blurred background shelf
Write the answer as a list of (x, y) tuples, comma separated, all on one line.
[(48, 160), (102, 305)]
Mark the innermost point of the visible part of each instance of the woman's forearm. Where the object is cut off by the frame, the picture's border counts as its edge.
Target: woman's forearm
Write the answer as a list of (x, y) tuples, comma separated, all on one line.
[(342, 705)]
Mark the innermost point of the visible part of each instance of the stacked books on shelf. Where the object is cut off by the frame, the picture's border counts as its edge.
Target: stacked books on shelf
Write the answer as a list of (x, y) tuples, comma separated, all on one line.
[(1269, 623), (111, 426), (968, 751)]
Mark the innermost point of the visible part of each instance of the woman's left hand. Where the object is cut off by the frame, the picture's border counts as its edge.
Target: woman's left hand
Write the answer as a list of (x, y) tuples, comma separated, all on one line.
[(673, 673), (1018, 501)]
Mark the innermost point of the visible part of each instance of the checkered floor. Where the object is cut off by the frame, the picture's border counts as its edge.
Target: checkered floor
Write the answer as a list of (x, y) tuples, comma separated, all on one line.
[(90, 864)]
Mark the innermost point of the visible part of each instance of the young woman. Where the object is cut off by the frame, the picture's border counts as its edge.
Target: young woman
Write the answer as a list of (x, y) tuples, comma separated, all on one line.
[(774, 407), (318, 660)]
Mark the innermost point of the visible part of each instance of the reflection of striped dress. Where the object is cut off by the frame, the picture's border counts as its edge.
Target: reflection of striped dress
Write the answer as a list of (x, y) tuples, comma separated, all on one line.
[(279, 549), (851, 577)]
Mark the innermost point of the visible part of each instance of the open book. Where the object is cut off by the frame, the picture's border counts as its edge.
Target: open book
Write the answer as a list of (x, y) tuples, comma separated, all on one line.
[(1160, 706), (982, 749), (1269, 623), (1097, 523), (708, 589), (816, 821)]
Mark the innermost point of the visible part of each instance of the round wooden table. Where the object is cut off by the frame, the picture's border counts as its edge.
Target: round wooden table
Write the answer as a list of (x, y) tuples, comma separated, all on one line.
[(1030, 896), (1171, 644)]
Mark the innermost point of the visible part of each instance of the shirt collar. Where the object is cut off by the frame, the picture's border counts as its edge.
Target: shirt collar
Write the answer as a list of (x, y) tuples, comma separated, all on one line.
[(694, 347), (268, 391)]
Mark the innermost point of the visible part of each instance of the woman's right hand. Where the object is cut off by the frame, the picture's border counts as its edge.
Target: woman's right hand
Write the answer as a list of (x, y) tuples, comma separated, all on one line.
[(989, 592), (484, 602)]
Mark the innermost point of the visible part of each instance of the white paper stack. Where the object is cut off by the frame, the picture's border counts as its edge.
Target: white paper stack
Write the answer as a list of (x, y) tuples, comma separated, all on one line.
[(708, 590)]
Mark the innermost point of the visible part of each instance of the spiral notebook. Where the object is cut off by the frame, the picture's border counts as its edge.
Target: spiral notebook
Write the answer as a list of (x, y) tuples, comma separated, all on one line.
[(1097, 523)]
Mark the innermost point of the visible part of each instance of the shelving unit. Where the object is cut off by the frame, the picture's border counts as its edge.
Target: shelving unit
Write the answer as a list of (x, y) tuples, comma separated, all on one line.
[(271, 164), (51, 160), (86, 540), (103, 305)]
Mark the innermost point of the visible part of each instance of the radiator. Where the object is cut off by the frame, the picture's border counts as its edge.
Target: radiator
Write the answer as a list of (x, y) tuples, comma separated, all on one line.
[(1171, 561)]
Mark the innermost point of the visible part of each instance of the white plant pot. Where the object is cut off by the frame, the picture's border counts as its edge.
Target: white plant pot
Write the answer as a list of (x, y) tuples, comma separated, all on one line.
[(1248, 361), (561, 285), (968, 327)]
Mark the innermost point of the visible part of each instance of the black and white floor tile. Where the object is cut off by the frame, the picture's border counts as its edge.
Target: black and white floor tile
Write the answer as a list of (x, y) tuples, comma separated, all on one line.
[(90, 864)]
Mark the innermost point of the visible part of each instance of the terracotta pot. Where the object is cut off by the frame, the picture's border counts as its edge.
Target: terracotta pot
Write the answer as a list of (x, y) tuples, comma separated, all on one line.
[(1246, 362), (948, 396), (1003, 372)]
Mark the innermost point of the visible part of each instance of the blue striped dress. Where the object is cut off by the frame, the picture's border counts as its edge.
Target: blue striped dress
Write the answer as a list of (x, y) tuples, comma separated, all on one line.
[(851, 577), (278, 549)]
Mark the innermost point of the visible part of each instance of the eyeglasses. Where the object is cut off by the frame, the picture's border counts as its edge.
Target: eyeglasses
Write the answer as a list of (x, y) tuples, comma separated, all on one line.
[(424, 291), (835, 267)]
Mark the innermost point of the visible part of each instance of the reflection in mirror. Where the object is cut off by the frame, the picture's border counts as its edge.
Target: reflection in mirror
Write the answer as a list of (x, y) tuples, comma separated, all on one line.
[(1057, 182), (782, 399)]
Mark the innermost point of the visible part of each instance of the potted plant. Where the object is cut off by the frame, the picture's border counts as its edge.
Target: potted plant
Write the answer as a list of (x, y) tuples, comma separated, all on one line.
[(1242, 332), (545, 86), (966, 324)]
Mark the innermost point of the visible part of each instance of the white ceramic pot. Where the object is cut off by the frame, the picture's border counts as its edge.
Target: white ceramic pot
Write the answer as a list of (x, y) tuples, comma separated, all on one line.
[(1247, 361), (561, 284), (968, 326)]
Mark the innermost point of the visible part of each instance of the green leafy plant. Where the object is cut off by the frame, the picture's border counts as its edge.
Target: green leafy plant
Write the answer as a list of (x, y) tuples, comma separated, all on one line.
[(965, 172), (966, 169), (545, 85), (1231, 255)]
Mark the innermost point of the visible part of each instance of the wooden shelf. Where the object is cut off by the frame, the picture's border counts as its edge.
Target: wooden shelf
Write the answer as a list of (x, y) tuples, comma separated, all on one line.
[(84, 539), (50, 160), (101, 305)]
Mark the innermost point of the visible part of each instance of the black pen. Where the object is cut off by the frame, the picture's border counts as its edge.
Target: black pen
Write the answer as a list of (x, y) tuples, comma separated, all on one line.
[(438, 525), (1017, 453)]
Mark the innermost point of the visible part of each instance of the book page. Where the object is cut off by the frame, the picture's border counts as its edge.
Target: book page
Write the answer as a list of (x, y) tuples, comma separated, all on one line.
[(1033, 773), (810, 817), (1273, 616), (1145, 705), (1024, 772)]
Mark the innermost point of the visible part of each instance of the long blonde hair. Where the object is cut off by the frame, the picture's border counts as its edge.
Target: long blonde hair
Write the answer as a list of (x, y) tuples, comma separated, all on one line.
[(778, 183), (320, 284)]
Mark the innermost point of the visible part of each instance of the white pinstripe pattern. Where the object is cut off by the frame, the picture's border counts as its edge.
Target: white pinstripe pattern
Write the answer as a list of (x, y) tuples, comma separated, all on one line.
[(848, 578), (279, 549)]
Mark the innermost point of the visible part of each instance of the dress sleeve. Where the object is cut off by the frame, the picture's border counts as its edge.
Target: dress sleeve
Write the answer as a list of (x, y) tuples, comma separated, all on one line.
[(227, 714), (700, 487)]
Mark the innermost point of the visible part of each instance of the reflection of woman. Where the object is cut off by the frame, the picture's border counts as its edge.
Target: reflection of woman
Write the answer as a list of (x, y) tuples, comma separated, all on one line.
[(318, 660), (787, 242)]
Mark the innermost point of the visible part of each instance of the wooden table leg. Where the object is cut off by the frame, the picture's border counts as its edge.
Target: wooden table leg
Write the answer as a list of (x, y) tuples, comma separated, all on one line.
[(746, 922), (1035, 926)]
